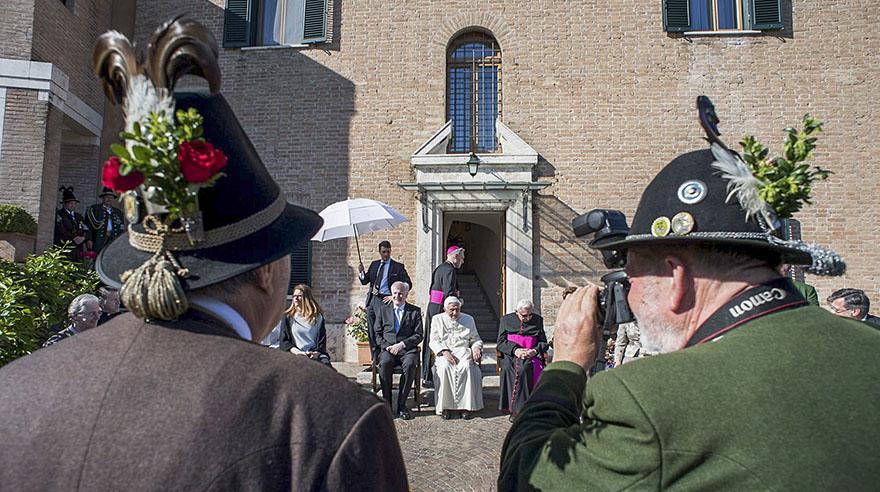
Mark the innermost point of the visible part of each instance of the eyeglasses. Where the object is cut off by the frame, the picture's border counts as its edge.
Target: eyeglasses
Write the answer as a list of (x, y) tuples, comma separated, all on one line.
[(835, 310)]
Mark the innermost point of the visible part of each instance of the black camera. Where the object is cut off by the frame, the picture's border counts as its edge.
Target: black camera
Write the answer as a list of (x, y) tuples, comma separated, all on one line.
[(613, 306)]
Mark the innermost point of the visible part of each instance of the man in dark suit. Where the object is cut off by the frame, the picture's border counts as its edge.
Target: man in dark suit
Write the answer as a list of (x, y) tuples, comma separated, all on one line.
[(189, 399), (380, 277), (853, 303), (398, 334)]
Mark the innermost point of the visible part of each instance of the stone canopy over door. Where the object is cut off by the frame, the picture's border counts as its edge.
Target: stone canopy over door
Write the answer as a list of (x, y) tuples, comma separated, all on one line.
[(502, 183)]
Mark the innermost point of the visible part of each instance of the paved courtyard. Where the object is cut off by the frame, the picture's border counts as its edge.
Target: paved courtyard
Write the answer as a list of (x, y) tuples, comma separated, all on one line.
[(450, 455)]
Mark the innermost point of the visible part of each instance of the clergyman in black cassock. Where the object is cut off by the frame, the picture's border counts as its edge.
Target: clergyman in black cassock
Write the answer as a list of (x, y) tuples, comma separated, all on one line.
[(519, 375), (444, 283)]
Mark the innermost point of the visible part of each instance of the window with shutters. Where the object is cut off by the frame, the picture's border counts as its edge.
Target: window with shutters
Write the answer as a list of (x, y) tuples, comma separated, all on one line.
[(274, 22), (721, 15), (473, 92), (301, 266)]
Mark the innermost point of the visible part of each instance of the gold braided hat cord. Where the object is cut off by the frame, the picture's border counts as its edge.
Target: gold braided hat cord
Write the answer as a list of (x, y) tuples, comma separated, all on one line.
[(153, 290)]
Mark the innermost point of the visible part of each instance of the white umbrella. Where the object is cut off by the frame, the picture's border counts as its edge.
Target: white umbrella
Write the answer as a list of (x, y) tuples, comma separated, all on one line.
[(355, 217)]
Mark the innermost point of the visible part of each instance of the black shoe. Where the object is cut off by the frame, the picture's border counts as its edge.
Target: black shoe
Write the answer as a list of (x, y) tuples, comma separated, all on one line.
[(427, 384), (405, 414), (511, 418), (445, 415), (467, 415)]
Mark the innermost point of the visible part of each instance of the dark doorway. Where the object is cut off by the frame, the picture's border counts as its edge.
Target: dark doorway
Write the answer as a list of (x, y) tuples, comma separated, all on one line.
[(481, 278)]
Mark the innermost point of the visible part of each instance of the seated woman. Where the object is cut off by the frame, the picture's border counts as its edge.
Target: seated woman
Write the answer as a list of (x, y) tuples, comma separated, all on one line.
[(303, 331), (521, 342), (458, 382)]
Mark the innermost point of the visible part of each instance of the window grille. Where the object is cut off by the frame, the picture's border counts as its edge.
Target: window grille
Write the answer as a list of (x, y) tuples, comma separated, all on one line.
[(473, 93)]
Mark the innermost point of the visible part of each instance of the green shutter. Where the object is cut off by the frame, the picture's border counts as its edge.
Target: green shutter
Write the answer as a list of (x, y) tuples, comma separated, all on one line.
[(676, 16), (239, 24), (315, 21), (766, 14), (301, 266)]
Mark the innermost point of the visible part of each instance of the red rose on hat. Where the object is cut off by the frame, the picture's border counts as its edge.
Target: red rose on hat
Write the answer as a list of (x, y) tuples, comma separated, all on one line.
[(200, 161), (111, 178)]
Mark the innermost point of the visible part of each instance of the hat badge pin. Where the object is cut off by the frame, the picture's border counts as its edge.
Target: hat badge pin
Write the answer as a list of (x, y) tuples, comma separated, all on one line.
[(660, 227), (682, 223), (692, 192)]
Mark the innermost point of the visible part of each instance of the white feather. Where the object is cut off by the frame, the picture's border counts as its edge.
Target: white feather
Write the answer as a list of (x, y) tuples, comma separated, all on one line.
[(143, 99), (741, 182)]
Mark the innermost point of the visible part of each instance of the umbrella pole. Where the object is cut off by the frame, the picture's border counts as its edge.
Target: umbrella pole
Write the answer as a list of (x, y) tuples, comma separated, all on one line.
[(360, 261)]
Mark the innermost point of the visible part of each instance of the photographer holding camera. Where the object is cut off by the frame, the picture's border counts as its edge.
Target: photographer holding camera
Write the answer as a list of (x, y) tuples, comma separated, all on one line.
[(741, 394)]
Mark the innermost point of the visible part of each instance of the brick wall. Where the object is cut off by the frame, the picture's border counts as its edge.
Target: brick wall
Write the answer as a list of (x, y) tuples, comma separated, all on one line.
[(66, 37), (596, 88), (16, 29), (21, 161), (78, 169)]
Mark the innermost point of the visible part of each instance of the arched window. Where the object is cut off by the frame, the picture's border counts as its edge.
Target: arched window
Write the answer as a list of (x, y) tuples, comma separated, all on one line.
[(473, 92)]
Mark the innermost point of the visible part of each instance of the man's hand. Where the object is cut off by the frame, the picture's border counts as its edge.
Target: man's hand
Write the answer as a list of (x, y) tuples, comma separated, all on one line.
[(313, 354), (387, 299), (397, 348), (360, 267), (577, 334), (79, 240), (477, 353), (451, 358)]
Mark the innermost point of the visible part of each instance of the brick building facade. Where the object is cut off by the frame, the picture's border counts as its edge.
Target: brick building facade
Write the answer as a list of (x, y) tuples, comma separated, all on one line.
[(595, 98)]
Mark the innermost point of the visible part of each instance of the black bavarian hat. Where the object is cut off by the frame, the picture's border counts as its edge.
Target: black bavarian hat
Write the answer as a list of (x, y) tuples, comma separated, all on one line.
[(687, 202), (711, 197), (242, 219), (67, 194), (245, 191), (107, 192)]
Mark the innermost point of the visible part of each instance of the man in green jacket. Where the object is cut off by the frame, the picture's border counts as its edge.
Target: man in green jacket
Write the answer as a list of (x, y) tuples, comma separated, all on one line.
[(743, 396)]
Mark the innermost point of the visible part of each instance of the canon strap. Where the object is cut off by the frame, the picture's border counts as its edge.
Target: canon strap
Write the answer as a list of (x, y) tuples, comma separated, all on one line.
[(767, 298)]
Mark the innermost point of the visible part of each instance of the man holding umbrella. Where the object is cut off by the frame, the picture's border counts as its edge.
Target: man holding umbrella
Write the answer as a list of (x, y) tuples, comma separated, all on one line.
[(380, 277)]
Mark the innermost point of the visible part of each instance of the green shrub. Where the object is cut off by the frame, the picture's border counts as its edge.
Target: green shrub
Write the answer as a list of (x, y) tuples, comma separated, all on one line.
[(34, 297), (15, 219)]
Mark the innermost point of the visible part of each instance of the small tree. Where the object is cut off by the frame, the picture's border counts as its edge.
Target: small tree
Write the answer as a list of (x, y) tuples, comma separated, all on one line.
[(34, 297)]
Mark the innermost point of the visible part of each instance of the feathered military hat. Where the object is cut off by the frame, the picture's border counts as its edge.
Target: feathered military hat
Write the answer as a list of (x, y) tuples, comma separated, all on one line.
[(106, 191), (715, 196), (212, 209), (67, 194)]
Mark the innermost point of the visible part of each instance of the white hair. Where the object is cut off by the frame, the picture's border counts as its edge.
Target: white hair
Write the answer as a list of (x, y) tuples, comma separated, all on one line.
[(79, 303), (525, 304), (451, 300), (404, 284)]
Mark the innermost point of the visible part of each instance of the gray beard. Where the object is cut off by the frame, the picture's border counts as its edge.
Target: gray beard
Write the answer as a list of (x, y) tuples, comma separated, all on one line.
[(656, 334)]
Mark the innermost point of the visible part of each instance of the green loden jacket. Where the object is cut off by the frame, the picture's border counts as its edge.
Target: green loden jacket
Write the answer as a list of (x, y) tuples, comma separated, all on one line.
[(788, 401)]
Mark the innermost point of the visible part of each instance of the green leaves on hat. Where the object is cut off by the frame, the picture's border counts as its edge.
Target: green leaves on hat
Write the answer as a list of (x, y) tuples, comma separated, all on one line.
[(785, 183)]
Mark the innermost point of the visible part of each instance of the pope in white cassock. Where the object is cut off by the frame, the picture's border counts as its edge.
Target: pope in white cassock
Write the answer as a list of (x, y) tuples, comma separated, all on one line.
[(458, 349)]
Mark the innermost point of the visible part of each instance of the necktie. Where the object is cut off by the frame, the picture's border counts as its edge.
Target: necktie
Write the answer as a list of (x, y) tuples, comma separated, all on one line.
[(379, 276), (396, 320)]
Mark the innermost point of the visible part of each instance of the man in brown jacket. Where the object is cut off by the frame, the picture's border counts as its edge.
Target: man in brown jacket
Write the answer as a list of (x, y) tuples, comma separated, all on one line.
[(176, 395)]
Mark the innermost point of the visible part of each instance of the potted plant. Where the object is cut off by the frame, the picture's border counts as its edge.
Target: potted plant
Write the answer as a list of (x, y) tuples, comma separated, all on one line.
[(357, 329), (17, 233)]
